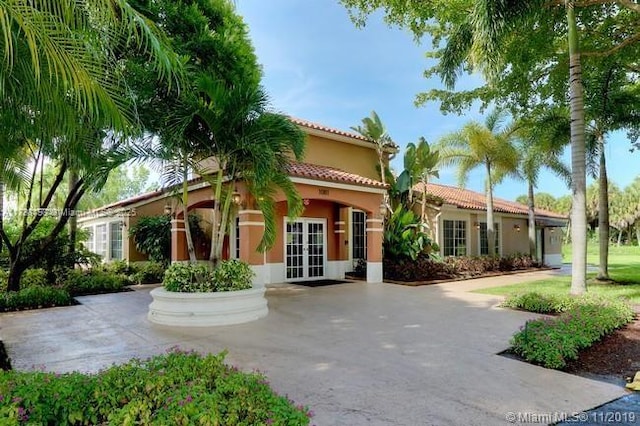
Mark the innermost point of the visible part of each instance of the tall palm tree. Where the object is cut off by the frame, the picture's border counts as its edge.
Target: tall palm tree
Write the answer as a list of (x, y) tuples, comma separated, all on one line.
[(249, 142), (540, 144), (372, 128), (479, 41), (489, 146)]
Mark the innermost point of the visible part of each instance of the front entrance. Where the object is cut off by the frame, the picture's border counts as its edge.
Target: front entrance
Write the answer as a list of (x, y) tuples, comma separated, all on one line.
[(305, 249)]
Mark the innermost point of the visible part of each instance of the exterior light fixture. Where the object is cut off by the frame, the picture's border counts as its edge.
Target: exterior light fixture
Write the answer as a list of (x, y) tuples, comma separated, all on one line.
[(236, 198), (477, 225), (167, 209), (383, 209), (306, 201), (552, 230), (516, 227)]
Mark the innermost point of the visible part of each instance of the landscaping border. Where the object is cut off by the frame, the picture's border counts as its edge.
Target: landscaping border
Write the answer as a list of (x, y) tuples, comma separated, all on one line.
[(207, 309), (466, 278)]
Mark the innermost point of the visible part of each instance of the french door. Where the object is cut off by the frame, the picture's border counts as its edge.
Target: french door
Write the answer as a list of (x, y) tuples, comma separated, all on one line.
[(305, 249)]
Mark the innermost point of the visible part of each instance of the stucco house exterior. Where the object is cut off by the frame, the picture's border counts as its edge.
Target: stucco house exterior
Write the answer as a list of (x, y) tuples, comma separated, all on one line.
[(341, 222), (459, 224)]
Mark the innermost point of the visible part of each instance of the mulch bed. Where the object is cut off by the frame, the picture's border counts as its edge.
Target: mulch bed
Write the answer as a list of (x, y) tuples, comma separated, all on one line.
[(465, 277), (615, 358)]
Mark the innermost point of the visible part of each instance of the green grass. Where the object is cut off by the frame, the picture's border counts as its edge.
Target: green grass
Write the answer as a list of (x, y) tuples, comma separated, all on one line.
[(624, 269)]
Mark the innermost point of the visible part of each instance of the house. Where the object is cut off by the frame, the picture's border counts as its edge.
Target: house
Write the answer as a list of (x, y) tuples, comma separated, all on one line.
[(460, 225), (341, 223)]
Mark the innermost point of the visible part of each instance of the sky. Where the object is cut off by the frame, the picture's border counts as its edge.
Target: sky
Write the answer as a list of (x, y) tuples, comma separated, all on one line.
[(319, 67)]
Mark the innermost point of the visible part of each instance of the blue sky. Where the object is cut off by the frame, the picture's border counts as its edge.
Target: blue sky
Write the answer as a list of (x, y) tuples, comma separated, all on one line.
[(318, 66)]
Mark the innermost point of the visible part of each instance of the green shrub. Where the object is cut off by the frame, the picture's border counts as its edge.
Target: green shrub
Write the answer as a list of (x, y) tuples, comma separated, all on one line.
[(232, 275), (34, 297), (229, 275), (93, 281), (147, 273), (540, 303), (34, 277), (188, 278), (175, 388), (403, 236), (152, 235), (552, 342)]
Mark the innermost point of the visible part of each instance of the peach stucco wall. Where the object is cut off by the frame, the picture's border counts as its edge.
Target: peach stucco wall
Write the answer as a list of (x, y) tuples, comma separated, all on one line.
[(514, 241), (352, 158)]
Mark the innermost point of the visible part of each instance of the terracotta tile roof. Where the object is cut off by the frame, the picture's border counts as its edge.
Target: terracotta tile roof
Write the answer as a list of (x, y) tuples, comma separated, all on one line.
[(316, 126), (314, 171), (471, 200)]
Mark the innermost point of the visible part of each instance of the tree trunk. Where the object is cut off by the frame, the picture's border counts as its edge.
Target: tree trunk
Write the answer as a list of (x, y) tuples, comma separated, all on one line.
[(637, 226), (578, 160), (1, 211), (16, 269), (619, 236), (185, 212), (491, 241), (217, 213), (73, 221), (532, 224), (603, 214)]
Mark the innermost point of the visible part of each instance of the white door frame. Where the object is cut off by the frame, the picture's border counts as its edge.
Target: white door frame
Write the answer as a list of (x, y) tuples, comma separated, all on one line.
[(305, 251)]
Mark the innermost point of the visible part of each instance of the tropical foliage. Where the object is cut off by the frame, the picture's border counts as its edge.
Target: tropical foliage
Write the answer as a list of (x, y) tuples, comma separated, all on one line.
[(65, 101), (490, 146)]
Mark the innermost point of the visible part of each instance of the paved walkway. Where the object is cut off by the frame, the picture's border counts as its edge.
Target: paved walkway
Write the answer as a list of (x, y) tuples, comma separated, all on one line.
[(357, 354)]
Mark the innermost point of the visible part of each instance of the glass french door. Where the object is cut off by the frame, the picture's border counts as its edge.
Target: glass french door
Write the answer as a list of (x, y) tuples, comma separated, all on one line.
[(305, 249)]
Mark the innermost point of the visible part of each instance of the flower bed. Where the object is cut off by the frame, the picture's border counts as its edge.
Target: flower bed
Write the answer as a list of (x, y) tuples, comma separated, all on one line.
[(175, 388), (426, 268)]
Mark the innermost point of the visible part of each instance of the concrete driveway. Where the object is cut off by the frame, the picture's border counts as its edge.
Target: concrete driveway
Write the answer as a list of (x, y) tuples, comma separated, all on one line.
[(357, 354)]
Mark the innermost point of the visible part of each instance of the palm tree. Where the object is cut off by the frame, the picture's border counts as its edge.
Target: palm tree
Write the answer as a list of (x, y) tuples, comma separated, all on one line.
[(373, 129), (478, 41), (489, 146), (540, 145), (60, 75), (249, 143), (420, 163)]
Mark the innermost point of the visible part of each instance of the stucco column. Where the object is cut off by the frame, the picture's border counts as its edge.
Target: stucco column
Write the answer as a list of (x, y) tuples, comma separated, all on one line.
[(251, 224), (374, 248), (179, 251)]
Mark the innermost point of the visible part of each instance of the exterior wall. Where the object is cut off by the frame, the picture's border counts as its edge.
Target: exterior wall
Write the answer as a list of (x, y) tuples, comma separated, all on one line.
[(352, 158), (552, 247), (123, 216), (515, 241)]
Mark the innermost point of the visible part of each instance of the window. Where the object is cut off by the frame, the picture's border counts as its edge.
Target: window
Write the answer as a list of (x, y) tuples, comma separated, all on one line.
[(484, 243), (359, 235), (115, 248), (455, 237), (90, 243), (101, 240)]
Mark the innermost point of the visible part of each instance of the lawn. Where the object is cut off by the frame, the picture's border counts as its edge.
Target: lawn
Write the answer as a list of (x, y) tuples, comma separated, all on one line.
[(624, 268)]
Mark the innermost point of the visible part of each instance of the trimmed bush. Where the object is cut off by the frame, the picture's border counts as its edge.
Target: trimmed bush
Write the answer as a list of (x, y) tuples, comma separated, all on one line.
[(175, 388), (232, 275), (147, 273), (552, 342), (93, 281), (229, 275), (540, 303), (188, 278), (426, 268), (34, 297)]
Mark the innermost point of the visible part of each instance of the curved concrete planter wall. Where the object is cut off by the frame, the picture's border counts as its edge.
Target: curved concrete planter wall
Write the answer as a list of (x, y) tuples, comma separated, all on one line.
[(207, 309)]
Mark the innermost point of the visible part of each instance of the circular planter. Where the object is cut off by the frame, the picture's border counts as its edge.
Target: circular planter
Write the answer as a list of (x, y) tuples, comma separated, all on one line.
[(207, 309)]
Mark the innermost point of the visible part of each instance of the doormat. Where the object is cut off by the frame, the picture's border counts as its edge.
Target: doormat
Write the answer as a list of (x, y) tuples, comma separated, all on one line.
[(320, 283)]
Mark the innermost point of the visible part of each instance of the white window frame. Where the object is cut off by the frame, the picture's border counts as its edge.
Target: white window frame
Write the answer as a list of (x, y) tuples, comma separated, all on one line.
[(498, 222), (466, 236), (110, 225), (305, 272)]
